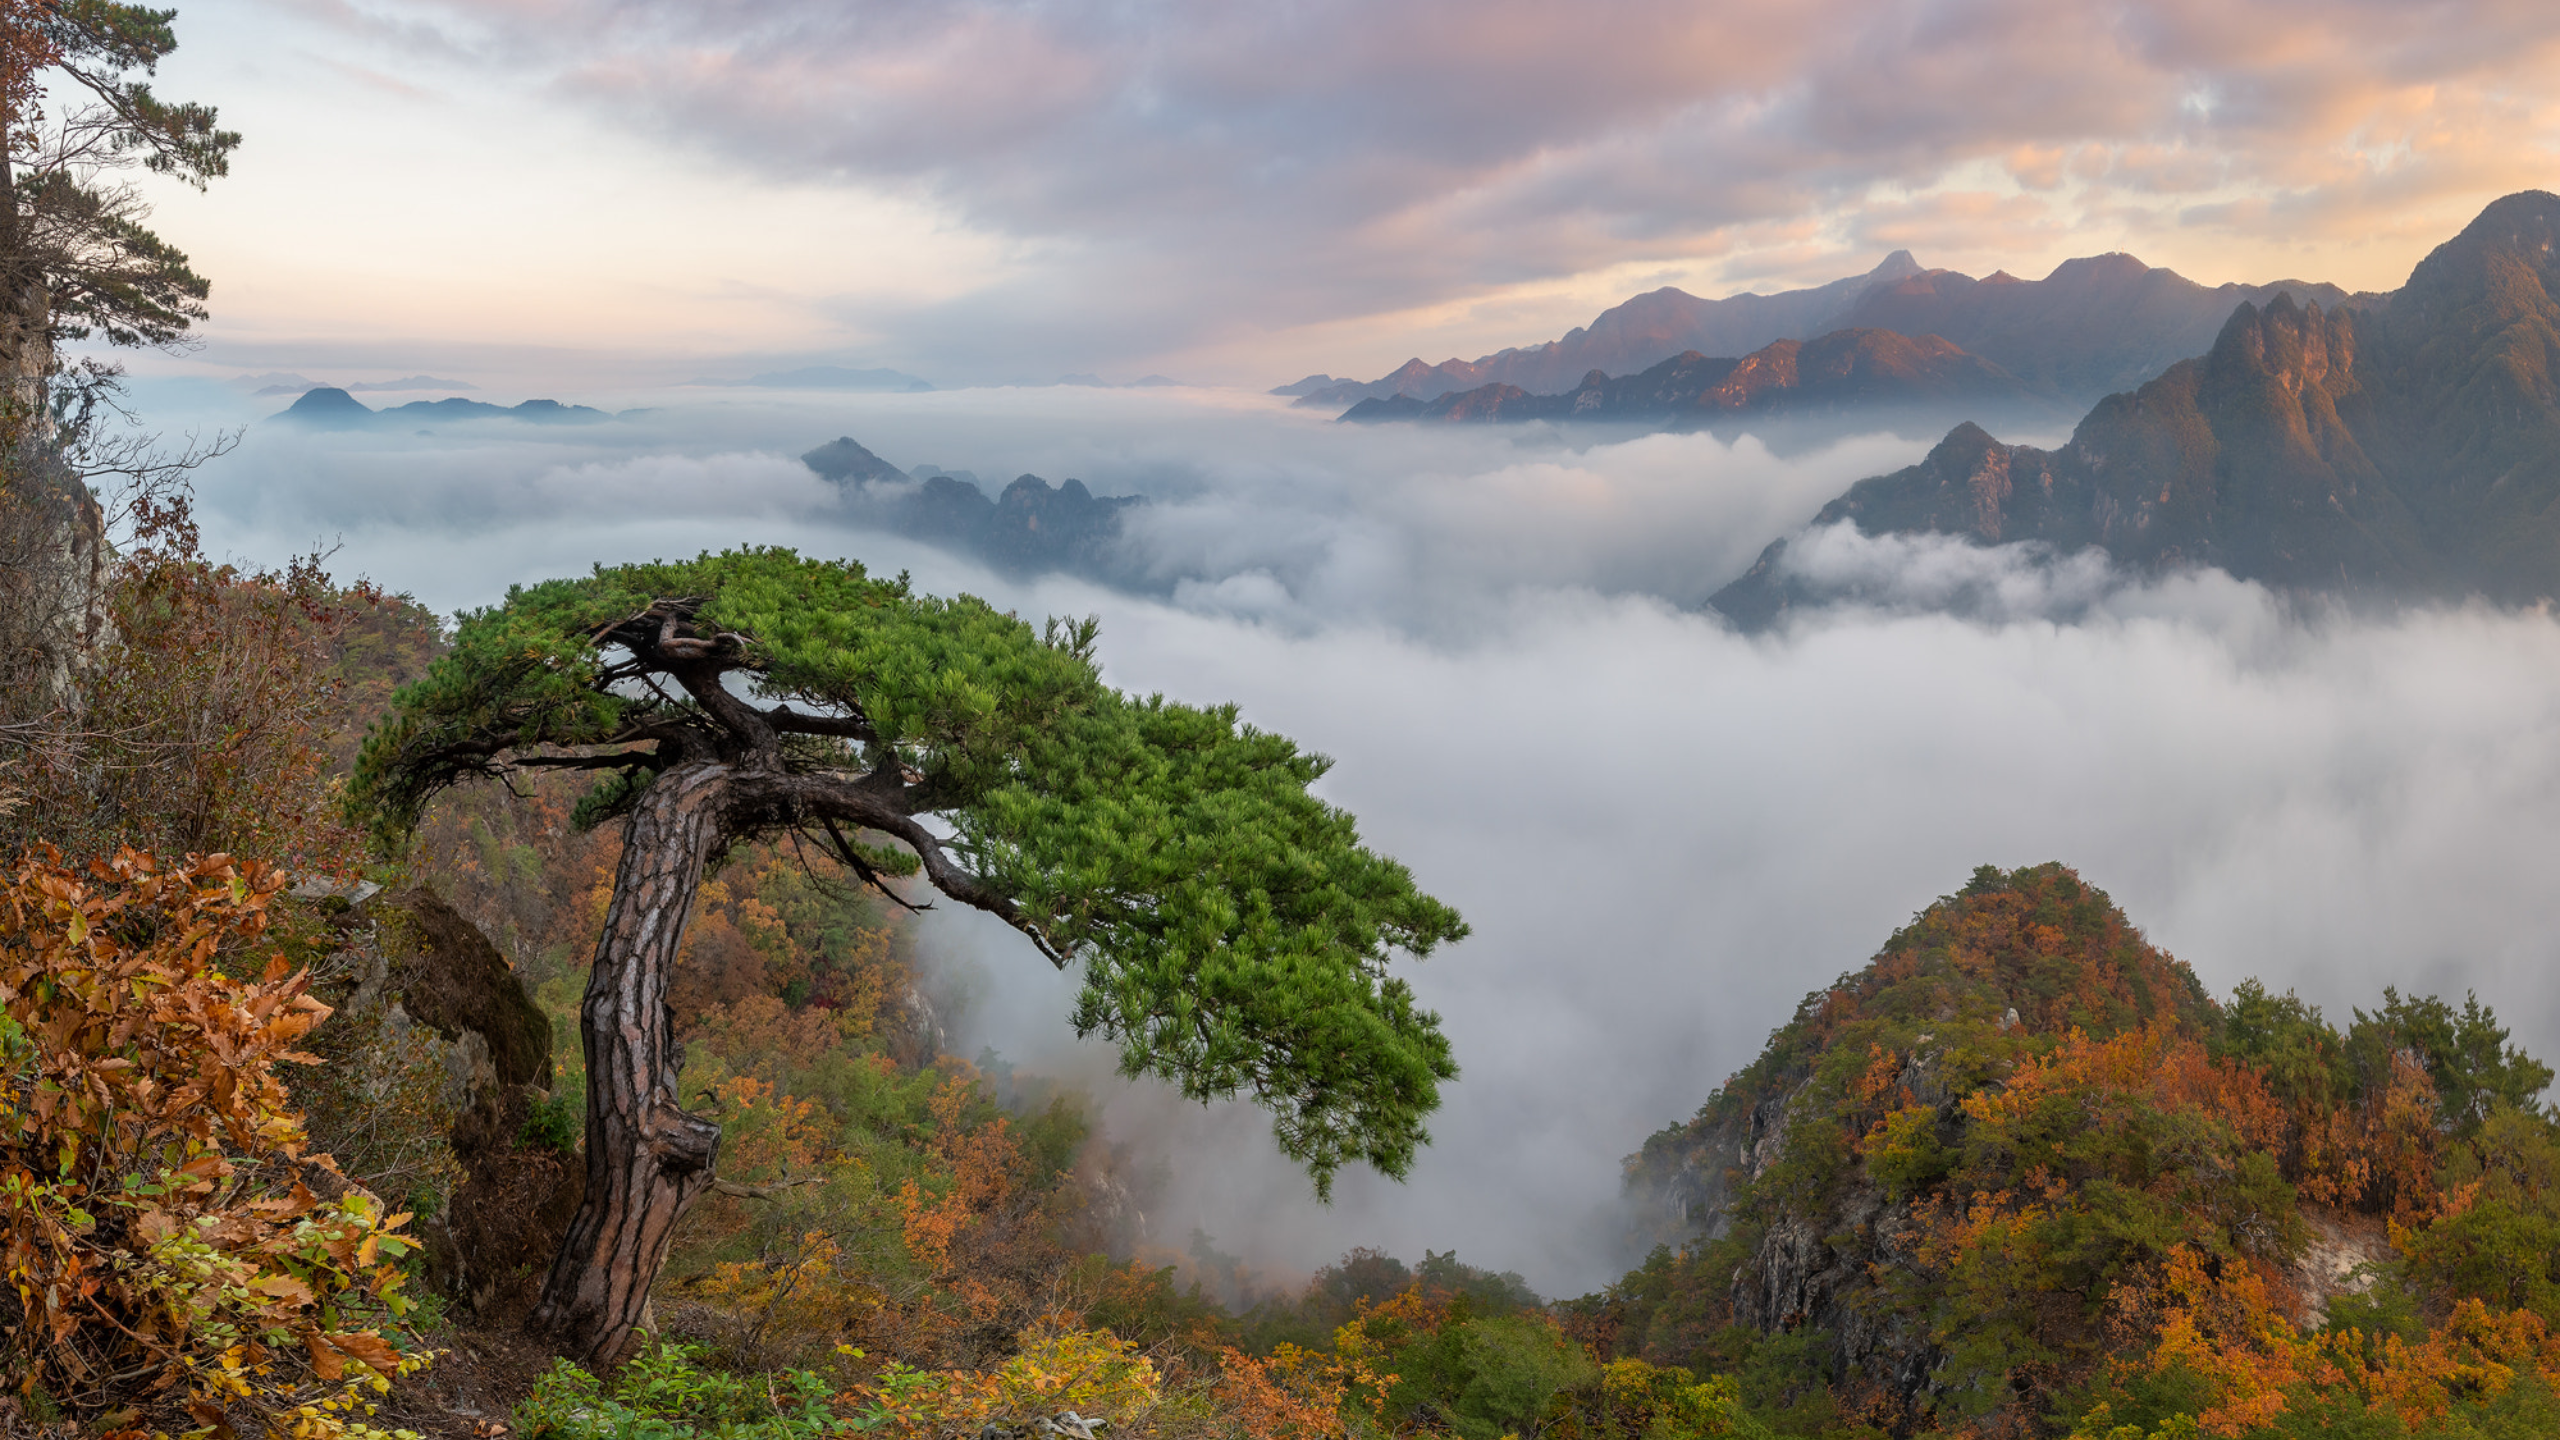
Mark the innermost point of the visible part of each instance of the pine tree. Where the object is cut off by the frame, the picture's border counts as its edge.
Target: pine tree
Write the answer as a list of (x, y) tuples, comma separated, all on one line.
[(75, 259), (1233, 933)]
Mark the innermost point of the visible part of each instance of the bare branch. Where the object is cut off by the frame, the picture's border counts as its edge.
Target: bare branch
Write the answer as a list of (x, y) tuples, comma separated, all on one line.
[(763, 1192), (620, 760), (856, 726)]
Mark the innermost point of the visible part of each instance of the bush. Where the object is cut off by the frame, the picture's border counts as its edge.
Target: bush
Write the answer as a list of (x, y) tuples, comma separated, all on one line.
[(158, 1218), (663, 1394), (1091, 1372), (557, 1121)]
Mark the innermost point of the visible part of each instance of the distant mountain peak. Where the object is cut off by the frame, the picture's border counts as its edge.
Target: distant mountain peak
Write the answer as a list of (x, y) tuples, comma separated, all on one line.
[(845, 459), (2399, 446), (1837, 371), (2114, 266), (329, 406), (2096, 324)]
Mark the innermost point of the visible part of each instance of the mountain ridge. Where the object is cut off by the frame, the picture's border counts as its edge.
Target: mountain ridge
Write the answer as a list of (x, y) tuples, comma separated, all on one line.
[(1841, 370), (330, 407), (2093, 325), (2407, 449)]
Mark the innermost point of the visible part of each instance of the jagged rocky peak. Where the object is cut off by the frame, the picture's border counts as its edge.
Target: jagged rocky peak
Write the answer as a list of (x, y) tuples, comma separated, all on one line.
[(1033, 526), (2392, 447), (2286, 345)]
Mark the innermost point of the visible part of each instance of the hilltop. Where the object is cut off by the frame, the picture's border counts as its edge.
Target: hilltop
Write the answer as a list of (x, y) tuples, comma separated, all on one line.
[(2020, 1174)]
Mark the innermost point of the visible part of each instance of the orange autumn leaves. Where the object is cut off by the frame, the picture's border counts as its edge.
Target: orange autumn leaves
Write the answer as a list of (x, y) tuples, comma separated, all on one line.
[(2227, 1330), (171, 1239)]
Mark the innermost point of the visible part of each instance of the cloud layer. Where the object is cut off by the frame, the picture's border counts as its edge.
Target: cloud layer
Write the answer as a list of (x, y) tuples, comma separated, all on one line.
[(1664, 833), (1176, 179)]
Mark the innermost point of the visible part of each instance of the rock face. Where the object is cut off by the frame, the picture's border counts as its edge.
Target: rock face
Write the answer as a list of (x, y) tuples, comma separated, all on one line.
[(1844, 370), (449, 978), (2410, 449), (425, 968), (53, 587)]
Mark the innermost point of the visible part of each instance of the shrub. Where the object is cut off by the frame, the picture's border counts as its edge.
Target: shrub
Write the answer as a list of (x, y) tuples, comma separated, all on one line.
[(1094, 1373), (556, 1121), (663, 1394), (159, 1223)]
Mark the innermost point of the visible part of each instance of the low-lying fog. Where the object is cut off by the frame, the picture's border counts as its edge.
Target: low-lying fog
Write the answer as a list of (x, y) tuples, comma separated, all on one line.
[(1663, 833)]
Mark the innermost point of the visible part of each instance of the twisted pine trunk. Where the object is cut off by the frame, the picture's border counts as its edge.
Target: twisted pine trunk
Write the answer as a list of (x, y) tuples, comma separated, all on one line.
[(647, 1159)]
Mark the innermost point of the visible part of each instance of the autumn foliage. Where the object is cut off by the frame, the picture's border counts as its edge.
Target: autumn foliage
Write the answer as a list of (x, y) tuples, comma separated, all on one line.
[(2021, 1175), (178, 1254)]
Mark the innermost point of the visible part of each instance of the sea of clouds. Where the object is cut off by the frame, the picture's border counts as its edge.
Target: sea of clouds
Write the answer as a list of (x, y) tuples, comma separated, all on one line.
[(1663, 832)]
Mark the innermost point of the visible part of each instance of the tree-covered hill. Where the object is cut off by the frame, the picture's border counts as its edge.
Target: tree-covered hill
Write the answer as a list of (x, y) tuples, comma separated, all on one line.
[(2021, 1175)]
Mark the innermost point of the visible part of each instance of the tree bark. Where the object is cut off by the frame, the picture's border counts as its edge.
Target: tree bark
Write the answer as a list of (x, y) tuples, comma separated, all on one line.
[(26, 326), (647, 1159)]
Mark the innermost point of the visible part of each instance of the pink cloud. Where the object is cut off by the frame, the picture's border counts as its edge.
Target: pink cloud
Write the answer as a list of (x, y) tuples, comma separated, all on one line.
[(1290, 164)]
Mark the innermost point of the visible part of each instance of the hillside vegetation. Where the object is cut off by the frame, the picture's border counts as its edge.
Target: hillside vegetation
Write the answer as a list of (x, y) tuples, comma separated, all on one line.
[(2020, 1175)]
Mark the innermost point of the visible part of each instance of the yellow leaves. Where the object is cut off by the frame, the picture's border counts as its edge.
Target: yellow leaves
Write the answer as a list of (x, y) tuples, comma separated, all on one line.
[(1092, 1372)]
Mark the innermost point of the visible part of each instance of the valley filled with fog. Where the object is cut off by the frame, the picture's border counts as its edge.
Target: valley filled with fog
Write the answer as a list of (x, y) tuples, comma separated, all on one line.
[(1663, 832)]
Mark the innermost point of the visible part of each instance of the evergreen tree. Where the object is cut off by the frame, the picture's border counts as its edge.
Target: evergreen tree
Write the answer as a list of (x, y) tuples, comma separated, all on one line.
[(1234, 935), (75, 259)]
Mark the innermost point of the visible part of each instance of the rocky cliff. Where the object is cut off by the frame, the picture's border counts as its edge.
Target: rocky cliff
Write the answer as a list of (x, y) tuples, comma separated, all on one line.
[(1031, 527), (2409, 449)]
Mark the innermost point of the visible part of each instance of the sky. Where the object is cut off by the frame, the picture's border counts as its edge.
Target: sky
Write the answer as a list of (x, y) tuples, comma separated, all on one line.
[(1664, 832), (556, 194)]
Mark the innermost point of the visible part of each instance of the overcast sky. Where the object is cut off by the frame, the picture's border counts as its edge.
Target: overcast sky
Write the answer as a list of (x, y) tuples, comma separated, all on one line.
[(570, 192)]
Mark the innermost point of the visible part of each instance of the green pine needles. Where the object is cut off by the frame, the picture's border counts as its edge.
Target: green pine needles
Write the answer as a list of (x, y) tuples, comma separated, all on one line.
[(1235, 936)]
